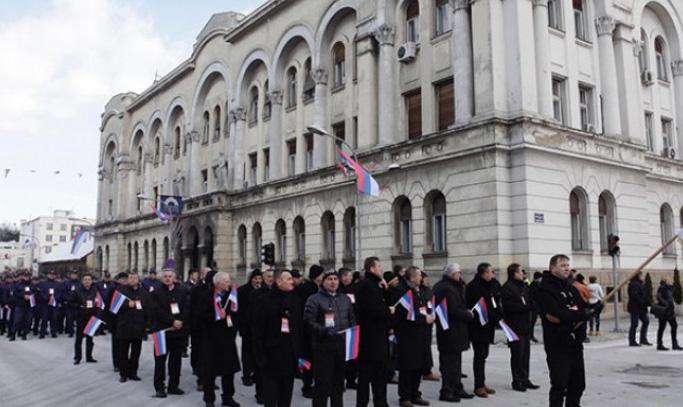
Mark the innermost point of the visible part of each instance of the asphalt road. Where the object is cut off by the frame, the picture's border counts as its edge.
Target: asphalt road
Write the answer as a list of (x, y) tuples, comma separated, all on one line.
[(40, 373)]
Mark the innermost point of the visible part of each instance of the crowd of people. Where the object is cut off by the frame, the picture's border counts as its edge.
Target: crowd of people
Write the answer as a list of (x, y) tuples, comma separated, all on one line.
[(295, 327)]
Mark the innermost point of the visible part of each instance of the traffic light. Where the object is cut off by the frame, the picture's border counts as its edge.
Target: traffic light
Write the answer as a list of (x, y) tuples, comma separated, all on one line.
[(268, 254), (613, 245)]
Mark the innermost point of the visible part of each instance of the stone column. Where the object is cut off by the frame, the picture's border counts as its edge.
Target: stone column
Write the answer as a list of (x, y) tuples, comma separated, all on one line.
[(147, 183), (626, 50), (367, 93), (275, 134), (240, 119), (541, 42), (194, 163), (320, 143), (608, 76), (386, 87), (168, 168), (677, 69), (463, 74)]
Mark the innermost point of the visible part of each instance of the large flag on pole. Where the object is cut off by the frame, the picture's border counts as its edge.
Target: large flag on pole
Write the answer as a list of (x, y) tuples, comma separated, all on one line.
[(364, 181), (82, 237), (352, 341)]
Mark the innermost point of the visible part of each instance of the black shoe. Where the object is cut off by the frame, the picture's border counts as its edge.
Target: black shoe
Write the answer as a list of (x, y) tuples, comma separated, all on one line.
[(634, 344), (160, 394), (177, 391), (77, 361), (122, 379), (464, 395), (662, 347), (450, 399), (209, 404), (90, 360), (676, 347), (71, 335), (531, 386), (420, 402), (134, 378), (185, 355), (307, 393), (645, 343), (518, 387), (23, 337), (41, 336), (12, 339), (260, 401), (463, 375), (54, 335), (534, 340), (230, 403)]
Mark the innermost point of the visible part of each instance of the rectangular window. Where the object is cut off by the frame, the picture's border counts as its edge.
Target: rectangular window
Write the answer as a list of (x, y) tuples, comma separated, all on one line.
[(62, 227), (439, 233), (558, 99), (49, 226), (649, 132), (266, 164), (339, 131), (446, 105), (414, 111), (48, 250), (666, 133), (205, 181), (443, 21), (413, 29), (355, 132), (309, 151), (555, 14), (253, 162), (62, 238), (586, 108), (580, 20), (48, 238), (330, 244), (291, 157), (215, 174), (577, 233)]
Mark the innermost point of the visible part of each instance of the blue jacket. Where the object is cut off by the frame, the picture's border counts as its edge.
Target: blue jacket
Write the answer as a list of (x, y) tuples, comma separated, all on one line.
[(21, 289), (69, 287), (44, 291)]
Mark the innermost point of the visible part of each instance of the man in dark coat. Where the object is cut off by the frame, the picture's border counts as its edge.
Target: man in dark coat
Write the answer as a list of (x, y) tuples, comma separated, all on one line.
[(327, 313), (245, 307), (517, 306), (171, 311), (200, 290), (49, 296), (665, 298), (533, 287), (70, 286), (111, 319), (254, 297), (83, 300), (305, 290), (131, 323), (276, 334), (484, 285), (564, 317), (454, 340), (413, 347), (22, 293), (374, 318), (348, 287), (218, 318), (637, 307)]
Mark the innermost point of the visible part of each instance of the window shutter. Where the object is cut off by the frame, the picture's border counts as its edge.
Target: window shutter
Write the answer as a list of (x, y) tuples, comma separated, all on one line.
[(446, 104)]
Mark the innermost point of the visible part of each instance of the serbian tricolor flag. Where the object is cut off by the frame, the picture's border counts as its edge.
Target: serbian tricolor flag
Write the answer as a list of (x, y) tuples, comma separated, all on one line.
[(51, 301), (304, 364), (441, 312), (482, 311), (407, 302), (352, 341), (32, 300), (159, 339), (163, 216), (509, 333), (81, 237), (217, 305), (92, 326), (364, 181), (232, 298), (99, 302), (117, 301)]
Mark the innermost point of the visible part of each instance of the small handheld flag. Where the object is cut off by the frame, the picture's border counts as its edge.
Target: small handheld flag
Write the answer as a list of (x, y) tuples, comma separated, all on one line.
[(509, 333), (232, 298), (117, 301), (32, 300), (217, 306), (482, 311), (52, 302), (407, 302), (92, 326), (304, 364), (159, 339), (441, 312), (99, 302), (352, 341)]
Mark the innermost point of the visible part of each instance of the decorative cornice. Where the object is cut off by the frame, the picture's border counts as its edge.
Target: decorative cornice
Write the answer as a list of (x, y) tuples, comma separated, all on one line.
[(458, 5), (385, 34), (604, 25), (319, 76), (275, 97)]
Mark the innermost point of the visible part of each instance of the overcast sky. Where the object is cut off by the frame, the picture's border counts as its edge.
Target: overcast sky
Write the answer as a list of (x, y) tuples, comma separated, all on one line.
[(60, 62)]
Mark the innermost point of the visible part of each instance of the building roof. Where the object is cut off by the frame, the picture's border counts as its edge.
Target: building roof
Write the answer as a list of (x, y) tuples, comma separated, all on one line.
[(62, 252)]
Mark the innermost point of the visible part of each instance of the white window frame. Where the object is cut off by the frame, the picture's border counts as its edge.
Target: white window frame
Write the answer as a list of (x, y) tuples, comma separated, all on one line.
[(586, 108), (649, 131), (555, 14), (439, 233), (443, 18), (667, 132), (581, 22), (413, 29), (559, 98), (406, 236)]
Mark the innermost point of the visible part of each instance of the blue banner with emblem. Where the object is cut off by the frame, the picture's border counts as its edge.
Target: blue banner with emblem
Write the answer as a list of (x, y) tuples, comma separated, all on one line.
[(171, 204)]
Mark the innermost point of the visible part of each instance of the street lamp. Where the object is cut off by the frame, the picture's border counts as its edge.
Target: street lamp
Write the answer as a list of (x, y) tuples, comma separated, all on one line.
[(315, 129)]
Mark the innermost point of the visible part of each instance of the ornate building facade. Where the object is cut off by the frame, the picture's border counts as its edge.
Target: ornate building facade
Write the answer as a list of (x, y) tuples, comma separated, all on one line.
[(498, 130)]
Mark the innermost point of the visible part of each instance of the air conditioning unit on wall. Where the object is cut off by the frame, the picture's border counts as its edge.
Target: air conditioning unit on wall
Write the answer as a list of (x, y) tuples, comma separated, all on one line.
[(669, 152), (407, 52), (646, 78)]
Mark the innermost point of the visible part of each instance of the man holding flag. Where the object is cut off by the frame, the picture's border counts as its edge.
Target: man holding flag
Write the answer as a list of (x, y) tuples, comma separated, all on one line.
[(517, 305), (49, 296), (83, 300), (131, 322), (328, 313), (451, 334)]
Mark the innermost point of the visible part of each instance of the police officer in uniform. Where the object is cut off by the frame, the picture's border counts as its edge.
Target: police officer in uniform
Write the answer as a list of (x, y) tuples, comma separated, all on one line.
[(83, 301), (564, 317), (49, 296), (22, 293), (70, 286)]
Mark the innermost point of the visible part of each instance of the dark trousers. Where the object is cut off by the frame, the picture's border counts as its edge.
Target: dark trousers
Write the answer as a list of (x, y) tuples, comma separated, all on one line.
[(372, 374), (519, 359), (534, 318), (278, 391), (328, 372), (174, 347), (61, 315), (36, 316), (129, 356), (481, 352), (22, 320), (195, 355), (450, 365), (114, 348), (662, 326), (409, 384), (70, 319), (248, 365), (3, 319), (351, 372), (567, 378), (49, 315), (78, 344), (227, 384), (9, 320), (645, 322), (594, 322)]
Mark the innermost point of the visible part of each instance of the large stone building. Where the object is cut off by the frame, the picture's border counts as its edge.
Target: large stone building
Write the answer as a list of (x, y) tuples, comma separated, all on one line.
[(498, 130)]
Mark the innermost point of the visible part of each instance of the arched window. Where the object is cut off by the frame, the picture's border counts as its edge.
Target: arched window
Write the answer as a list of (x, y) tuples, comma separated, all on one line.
[(660, 55), (130, 256), (145, 256), (281, 241), (106, 257), (339, 60), (267, 103), (435, 219), (253, 105), (403, 226), (606, 218), (327, 229), (291, 87), (666, 222), (157, 150), (242, 244), (350, 234), (167, 248), (176, 150), (217, 123), (413, 21), (112, 169), (309, 83), (206, 126), (300, 238), (136, 256), (257, 237), (643, 60), (578, 208), (153, 259)]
